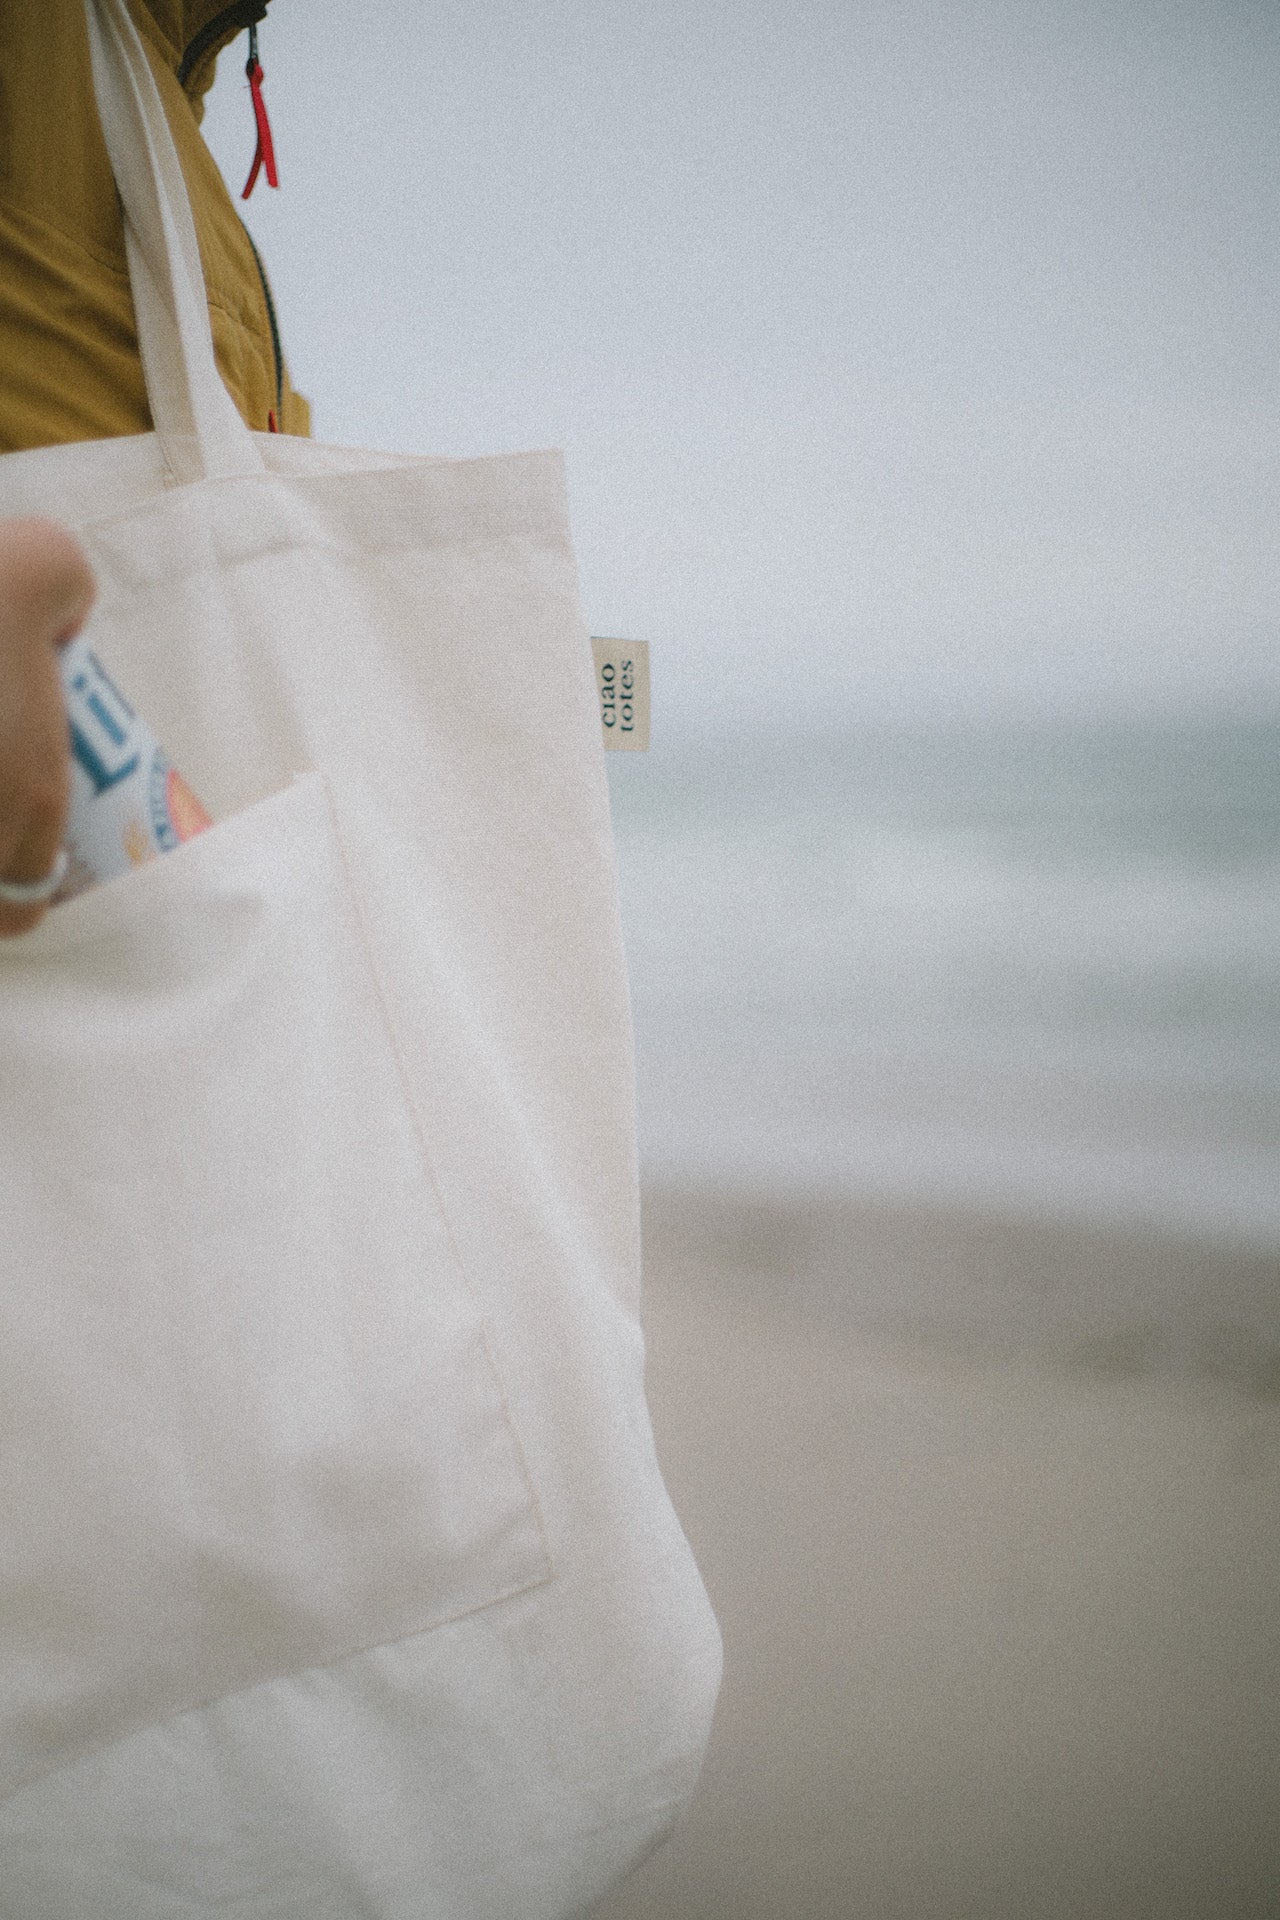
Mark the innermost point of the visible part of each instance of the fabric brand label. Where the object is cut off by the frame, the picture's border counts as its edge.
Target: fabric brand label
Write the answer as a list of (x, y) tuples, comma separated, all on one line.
[(622, 682)]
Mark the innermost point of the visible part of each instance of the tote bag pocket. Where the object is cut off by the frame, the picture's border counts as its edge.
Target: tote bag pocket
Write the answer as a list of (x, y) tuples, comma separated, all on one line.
[(249, 1421)]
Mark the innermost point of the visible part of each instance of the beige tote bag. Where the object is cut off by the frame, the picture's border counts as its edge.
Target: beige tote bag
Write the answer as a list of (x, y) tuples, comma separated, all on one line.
[(337, 1576)]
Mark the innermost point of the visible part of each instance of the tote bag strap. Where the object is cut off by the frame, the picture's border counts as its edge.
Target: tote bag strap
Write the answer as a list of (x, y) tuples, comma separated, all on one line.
[(199, 426)]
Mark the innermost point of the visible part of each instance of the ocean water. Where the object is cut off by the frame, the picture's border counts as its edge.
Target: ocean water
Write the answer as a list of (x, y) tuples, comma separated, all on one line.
[(1031, 966)]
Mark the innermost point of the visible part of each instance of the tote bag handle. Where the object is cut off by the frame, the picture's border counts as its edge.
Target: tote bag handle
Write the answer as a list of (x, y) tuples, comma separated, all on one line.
[(198, 424)]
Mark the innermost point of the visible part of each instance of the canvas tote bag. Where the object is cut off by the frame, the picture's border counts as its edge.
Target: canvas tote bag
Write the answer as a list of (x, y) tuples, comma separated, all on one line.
[(337, 1577)]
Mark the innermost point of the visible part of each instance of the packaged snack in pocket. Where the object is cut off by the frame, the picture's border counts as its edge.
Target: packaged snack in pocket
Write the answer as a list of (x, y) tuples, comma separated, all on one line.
[(127, 802)]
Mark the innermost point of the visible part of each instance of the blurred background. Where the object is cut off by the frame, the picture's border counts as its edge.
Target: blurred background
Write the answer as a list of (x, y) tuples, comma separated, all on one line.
[(916, 368), (917, 372)]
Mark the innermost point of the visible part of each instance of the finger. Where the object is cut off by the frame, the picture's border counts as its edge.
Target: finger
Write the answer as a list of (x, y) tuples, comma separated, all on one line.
[(32, 857), (46, 590), (46, 584)]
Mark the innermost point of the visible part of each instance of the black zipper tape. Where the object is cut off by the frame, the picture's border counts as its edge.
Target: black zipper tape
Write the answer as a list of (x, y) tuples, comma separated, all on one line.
[(275, 331), (246, 13)]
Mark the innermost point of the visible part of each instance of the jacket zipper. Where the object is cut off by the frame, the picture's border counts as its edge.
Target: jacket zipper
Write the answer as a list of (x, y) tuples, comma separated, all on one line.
[(275, 330), (246, 13)]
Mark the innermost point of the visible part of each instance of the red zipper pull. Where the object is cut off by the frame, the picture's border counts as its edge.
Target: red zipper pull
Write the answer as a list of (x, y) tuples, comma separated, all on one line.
[(265, 156)]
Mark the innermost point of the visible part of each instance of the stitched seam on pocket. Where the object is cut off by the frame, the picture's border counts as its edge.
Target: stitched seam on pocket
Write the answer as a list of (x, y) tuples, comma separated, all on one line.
[(428, 1166), (110, 903), (94, 1749)]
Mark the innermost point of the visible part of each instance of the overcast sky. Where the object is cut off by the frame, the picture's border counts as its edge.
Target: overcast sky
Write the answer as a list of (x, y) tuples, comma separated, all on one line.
[(904, 356)]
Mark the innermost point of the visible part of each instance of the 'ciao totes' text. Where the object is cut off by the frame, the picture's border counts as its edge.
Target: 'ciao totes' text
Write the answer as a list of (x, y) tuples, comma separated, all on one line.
[(622, 681), (617, 695)]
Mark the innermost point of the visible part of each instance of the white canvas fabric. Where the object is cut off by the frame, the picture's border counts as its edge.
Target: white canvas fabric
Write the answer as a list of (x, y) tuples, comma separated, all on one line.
[(337, 1577)]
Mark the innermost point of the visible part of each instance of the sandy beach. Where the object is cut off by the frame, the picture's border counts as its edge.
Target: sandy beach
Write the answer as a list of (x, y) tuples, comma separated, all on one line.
[(990, 1513)]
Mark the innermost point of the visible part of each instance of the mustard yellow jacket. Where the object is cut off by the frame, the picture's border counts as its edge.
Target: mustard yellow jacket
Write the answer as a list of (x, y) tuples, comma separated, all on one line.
[(69, 367)]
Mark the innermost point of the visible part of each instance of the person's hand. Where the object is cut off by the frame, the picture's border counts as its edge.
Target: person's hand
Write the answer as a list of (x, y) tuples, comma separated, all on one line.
[(46, 590)]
